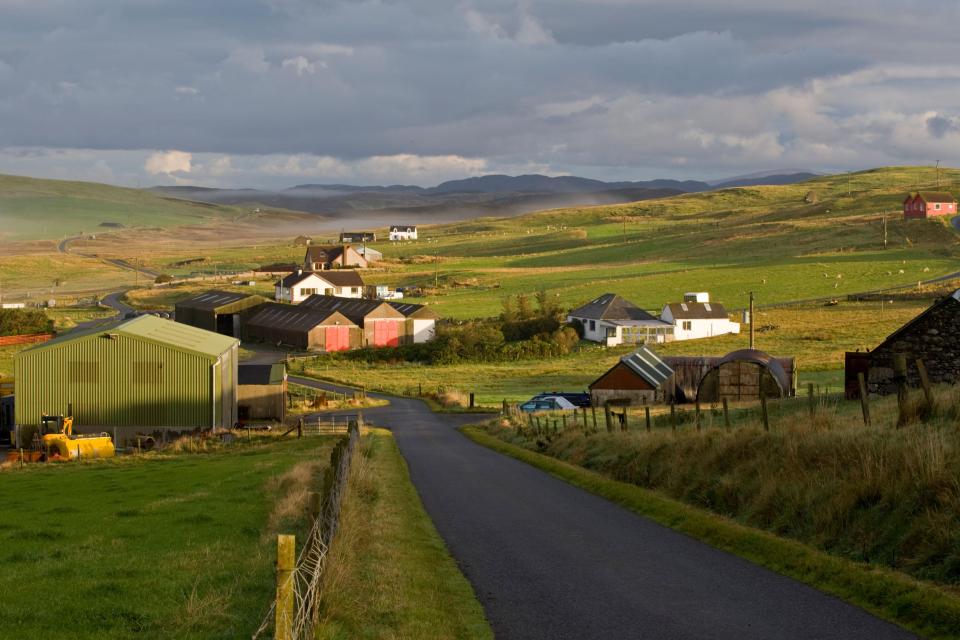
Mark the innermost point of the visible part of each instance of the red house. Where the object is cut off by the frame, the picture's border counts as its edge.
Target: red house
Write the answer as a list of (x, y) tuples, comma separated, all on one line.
[(929, 204)]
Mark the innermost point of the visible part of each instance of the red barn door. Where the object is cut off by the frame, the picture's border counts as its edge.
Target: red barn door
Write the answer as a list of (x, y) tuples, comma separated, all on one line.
[(338, 338), (386, 333)]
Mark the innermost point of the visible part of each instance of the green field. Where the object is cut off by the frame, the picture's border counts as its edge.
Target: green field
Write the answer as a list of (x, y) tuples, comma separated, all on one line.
[(32, 209), (157, 546)]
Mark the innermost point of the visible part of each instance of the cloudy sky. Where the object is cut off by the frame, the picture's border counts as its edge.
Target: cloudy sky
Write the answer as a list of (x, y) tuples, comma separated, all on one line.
[(269, 93)]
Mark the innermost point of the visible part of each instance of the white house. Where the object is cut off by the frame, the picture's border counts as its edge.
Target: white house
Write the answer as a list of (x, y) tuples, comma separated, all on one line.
[(403, 232), (611, 320), (300, 285), (697, 317)]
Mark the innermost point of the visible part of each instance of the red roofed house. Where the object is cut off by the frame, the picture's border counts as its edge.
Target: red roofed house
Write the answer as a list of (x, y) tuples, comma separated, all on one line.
[(929, 204)]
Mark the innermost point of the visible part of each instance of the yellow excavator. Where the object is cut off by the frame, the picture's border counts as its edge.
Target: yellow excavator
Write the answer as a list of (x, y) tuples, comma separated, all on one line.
[(56, 441)]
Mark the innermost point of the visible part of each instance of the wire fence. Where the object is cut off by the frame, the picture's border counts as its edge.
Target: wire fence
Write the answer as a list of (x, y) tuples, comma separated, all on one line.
[(294, 612)]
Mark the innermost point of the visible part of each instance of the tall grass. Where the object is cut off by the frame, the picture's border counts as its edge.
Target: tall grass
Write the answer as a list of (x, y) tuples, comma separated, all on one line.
[(879, 495)]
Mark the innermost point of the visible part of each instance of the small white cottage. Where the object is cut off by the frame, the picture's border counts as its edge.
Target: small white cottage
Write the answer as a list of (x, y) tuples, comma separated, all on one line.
[(403, 232), (697, 317), (612, 320)]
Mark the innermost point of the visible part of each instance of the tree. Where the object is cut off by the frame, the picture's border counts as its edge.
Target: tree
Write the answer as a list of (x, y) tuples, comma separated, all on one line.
[(547, 306), (524, 312), (509, 313)]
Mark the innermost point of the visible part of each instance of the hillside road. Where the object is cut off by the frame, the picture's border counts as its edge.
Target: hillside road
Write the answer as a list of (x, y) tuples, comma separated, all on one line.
[(548, 560)]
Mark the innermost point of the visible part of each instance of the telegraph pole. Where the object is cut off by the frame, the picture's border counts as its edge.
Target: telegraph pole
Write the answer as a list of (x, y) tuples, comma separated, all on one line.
[(751, 319), (436, 271), (884, 230), (938, 174)]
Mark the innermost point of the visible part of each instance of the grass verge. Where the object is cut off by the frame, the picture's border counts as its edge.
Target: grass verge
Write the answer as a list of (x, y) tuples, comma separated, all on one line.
[(918, 606), (389, 573)]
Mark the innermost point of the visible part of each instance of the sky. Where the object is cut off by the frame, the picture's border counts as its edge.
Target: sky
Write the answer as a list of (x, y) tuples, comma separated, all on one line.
[(272, 93)]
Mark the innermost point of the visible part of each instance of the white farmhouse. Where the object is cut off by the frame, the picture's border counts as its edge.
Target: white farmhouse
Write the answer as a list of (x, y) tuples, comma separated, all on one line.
[(300, 285), (697, 317), (611, 320), (403, 232)]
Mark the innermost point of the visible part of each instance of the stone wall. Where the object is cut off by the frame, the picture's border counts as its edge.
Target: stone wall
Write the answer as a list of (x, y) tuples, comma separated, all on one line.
[(934, 337)]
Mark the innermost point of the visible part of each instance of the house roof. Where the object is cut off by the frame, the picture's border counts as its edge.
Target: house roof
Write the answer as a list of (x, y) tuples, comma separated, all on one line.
[(345, 278), (285, 316), (354, 309), (935, 196), (357, 234), (261, 373), (216, 299), (326, 253), (610, 306), (153, 329), (645, 363), (697, 310), (403, 227)]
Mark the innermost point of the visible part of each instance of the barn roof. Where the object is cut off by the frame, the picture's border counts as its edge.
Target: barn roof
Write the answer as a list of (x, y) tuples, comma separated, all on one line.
[(761, 358), (354, 309), (697, 310), (216, 299), (410, 309), (936, 196), (648, 365), (286, 316), (610, 306)]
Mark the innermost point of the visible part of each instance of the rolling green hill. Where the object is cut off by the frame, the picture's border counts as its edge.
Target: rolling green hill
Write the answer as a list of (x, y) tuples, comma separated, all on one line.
[(34, 209)]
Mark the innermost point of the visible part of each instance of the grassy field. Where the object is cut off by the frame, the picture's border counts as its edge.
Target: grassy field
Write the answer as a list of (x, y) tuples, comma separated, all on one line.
[(63, 320), (32, 208), (155, 546), (390, 575), (816, 335)]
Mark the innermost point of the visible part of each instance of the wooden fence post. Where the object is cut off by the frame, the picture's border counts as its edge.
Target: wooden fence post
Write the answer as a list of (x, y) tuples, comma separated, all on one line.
[(593, 410), (625, 425), (315, 504), (726, 414), (698, 415), (286, 562), (471, 399), (925, 383), (763, 407), (864, 400), (608, 418), (900, 378), (646, 414), (564, 416), (810, 400)]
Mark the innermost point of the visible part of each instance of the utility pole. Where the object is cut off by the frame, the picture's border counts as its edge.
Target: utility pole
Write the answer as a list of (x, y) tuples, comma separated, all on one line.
[(751, 319), (436, 271), (884, 229)]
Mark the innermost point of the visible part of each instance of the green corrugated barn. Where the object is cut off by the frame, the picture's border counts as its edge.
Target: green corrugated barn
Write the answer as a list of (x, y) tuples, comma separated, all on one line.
[(145, 375), (219, 311)]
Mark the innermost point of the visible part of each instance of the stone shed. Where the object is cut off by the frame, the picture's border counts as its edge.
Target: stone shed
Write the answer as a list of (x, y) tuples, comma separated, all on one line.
[(933, 336)]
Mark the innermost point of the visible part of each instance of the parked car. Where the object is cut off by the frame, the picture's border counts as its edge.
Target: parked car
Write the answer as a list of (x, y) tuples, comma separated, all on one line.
[(547, 403), (577, 398)]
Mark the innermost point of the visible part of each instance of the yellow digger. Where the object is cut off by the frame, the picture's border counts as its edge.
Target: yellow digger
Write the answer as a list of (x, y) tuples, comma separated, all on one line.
[(55, 441)]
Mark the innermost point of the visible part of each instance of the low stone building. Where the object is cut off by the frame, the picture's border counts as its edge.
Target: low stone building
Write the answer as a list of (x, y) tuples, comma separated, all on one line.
[(637, 379), (933, 337)]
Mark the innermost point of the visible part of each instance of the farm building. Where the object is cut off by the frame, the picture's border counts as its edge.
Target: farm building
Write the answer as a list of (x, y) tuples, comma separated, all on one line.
[(697, 317), (358, 236), (300, 285), (218, 311), (929, 204), (691, 373), (338, 256), (144, 375), (370, 254), (301, 327), (637, 379), (385, 324), (612, 320), (933, 337), (302, 241), (261, 392), (403, 232)]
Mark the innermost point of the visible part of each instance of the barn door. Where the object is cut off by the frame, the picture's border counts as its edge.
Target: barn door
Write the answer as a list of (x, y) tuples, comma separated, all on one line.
[(338, 338), (392, 334)]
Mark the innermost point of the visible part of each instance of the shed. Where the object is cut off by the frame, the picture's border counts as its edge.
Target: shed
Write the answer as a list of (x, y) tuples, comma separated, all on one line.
[(141, 375), (262, 392), (302, 327), (421, 321), (637, 379), (745, 375), (219, 311), (933, 336), (383, 325)]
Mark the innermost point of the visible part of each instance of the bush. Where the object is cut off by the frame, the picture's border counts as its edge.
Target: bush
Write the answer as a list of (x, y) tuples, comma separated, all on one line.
[(17, 322), (164, 278)]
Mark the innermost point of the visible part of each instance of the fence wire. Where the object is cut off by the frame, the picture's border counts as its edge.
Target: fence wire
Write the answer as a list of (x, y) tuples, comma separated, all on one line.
[(308, 570)]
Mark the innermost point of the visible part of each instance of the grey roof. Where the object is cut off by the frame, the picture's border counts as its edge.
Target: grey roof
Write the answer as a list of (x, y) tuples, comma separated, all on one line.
[(610, 306), (285, 316), (648, 365), (407, 228), (344, 278), (354, 309), (211, 300), (936, 196), (261, 373), (409, 308), (697, 310)]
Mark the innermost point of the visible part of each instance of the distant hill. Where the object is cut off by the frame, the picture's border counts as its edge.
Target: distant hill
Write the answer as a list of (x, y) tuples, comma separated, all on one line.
[(766, 179), (561, 184)]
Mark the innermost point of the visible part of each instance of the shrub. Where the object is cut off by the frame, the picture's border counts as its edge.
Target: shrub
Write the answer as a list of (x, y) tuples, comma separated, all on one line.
[(164, 278), (16, 322)]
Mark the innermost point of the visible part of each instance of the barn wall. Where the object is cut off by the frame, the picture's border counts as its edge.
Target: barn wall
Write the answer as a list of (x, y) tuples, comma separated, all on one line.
[(263, 401), (634, 397)]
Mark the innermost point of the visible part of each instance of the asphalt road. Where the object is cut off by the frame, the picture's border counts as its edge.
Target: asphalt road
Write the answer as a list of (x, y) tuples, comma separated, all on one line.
[(548, 560)]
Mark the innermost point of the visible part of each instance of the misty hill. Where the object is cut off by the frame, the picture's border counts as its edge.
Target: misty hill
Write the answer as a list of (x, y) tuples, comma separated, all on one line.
[(765, 178), (490, 195)]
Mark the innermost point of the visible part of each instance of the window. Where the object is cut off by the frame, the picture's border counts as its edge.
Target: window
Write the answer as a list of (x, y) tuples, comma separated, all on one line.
[(937, 206), (354, 289), (307, 292), (593, 325), (687, 325)]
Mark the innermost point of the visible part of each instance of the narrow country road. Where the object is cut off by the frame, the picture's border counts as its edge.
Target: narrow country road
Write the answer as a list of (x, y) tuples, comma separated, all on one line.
[(548, 560)]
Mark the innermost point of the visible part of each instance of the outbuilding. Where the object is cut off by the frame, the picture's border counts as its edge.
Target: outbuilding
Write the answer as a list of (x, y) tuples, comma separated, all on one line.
[(421, 321), (637, 379), (383, 325), (262, 392), (219, 311), (145, 375), (612, 320), (302, 327), (746, 375)]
